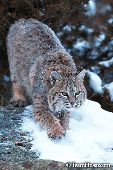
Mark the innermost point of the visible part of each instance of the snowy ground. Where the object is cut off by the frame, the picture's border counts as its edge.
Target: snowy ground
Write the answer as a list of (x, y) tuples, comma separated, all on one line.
[(90, 137)]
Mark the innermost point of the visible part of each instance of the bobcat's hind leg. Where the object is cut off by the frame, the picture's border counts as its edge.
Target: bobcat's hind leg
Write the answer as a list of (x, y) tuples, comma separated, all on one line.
[(18, 98)]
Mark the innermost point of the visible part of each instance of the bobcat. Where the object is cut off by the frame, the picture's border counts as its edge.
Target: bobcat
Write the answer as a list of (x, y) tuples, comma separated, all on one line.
[(43, 73)]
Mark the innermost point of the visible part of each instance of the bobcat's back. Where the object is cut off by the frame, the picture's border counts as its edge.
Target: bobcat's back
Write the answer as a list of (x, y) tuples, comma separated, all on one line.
[(30, 42)]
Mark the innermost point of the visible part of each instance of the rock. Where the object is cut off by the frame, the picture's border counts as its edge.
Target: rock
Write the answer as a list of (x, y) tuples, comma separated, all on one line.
[(43, 165), (14, 144)]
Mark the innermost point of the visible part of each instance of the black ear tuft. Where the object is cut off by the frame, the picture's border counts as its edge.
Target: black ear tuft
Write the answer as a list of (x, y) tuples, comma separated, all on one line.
[(54, 76)]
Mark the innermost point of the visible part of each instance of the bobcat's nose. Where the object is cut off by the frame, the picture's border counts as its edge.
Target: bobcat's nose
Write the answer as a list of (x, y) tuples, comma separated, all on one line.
[(72, 102)]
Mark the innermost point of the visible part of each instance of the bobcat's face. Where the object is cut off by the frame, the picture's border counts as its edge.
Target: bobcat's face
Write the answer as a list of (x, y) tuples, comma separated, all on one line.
[(67, 93)]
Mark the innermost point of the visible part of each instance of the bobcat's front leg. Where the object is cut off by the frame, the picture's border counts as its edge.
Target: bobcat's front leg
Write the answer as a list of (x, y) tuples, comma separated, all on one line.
[(44, 116), (64, 117)]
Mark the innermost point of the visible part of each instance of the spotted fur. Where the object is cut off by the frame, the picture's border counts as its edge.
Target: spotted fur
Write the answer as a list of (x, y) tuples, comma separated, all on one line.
[(44, 74)]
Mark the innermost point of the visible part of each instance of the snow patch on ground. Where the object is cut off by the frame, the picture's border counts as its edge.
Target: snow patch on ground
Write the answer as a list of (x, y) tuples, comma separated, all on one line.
[(107, 63), (95, 82), (110, 20), (85, 29), (81, 46), (90, 8), (67, 28), (90, 137), (109, 87), (6, 78), (99, 39)]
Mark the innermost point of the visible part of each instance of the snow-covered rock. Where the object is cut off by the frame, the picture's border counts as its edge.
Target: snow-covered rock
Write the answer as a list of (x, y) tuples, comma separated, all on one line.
[(109, 88), (95, 82), (99, 39), (81, 46), (107, 63)]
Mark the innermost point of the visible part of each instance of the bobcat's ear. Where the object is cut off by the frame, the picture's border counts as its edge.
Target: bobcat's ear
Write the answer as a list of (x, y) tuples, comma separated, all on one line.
[(54, 76), (81, 75)]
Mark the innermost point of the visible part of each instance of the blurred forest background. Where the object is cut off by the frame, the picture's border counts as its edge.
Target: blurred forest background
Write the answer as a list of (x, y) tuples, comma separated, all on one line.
[(86, 31)]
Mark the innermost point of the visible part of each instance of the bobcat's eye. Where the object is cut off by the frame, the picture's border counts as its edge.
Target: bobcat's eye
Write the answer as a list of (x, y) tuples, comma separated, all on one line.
[(77, 93), (64, 93)]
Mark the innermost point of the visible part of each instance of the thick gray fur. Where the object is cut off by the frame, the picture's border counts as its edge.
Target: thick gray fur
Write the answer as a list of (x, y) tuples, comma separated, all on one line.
[(41, 69)]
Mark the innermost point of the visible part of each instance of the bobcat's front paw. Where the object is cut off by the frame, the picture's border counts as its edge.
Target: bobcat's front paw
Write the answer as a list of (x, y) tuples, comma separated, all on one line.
[(56, 132), (18, 101)]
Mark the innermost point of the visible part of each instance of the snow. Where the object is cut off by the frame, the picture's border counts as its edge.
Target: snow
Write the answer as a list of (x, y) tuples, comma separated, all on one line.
[(67, 28), (81, 46), (109, 87), (89, 139), (99, 39), (59, 34), (95, 69), (94, 54), (106, 63), (110, 20), (90, 8), (95, 82), (85, 29), (6, 78)]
